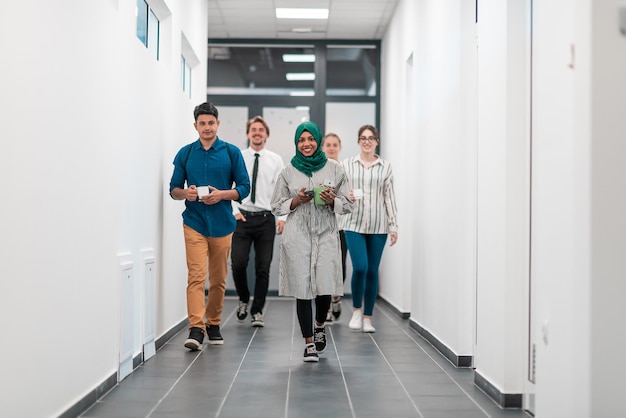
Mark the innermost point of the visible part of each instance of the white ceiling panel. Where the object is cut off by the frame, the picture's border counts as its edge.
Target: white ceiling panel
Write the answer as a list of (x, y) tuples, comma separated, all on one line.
[(348, 19), (234, 4), (255, 12), (308, 4)]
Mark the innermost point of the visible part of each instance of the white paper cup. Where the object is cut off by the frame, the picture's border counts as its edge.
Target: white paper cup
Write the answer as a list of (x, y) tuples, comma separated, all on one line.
[(357, 193), (202, 191)]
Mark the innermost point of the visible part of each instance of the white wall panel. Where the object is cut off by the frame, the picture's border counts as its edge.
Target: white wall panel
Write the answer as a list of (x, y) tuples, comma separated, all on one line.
[(94, 122)]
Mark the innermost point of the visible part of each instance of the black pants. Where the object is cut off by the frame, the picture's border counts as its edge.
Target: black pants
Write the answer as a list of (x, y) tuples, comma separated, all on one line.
[(259, 230), (305, 313), (344, 251)]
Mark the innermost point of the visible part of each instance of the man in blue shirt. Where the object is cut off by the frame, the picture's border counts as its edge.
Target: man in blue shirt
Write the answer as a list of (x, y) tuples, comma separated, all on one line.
[(209, 166)]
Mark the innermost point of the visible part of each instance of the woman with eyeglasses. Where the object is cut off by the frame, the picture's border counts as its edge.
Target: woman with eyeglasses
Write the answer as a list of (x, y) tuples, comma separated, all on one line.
[(366, 228), (311, 190)]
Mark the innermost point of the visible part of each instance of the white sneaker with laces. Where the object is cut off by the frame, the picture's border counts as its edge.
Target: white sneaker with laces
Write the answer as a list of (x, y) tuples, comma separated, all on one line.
[(310, 355), (336, 306), (242, 311), (257, 320), (319, 339), (357, 319), (367, 325)]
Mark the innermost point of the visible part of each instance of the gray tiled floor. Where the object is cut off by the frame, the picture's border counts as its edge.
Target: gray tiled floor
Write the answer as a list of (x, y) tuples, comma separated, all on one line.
[(260, 372)]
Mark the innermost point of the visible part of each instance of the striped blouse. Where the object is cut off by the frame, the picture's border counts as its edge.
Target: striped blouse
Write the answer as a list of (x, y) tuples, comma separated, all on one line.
[(310, 250), (376, 212)]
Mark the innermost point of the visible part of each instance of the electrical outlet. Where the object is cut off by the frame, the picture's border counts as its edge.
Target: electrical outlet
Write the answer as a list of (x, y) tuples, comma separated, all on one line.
[(533, 362)]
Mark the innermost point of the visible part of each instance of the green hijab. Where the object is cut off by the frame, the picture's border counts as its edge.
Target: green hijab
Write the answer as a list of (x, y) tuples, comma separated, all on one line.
[(308, 165)]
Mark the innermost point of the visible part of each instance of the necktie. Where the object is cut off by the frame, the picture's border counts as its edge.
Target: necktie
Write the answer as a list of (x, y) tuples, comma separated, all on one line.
[(255, 170)]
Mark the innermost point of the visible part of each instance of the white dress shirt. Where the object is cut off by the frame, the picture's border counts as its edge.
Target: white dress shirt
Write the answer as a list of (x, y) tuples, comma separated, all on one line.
[(270, 166)]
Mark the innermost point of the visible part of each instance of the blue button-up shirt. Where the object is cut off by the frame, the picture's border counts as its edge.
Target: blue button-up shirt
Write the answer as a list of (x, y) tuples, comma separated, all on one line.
[(218, 167)]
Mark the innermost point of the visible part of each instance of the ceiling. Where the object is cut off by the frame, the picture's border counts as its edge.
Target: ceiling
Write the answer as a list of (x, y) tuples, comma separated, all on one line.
[(256, 19), (258, 69)]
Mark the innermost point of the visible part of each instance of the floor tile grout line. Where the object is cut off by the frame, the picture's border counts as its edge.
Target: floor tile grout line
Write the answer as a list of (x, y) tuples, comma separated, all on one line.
[(293, 331), (189, 367), (394, 347), (232, 382), (343, 375), (419, 412), (175, 383), (438, 365)]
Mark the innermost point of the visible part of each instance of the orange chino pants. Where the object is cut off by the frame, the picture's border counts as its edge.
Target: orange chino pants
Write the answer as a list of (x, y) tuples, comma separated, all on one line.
[(200, 251)]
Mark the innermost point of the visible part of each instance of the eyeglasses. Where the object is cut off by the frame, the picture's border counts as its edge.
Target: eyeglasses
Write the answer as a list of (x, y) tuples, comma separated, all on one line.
[(368, 138)]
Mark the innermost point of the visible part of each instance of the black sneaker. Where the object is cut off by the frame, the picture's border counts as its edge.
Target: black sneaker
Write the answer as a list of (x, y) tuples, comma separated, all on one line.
[(310, 355), (196, 336), (213, 332), (319, 338), (336, 308), (257, 320), (242, 311)]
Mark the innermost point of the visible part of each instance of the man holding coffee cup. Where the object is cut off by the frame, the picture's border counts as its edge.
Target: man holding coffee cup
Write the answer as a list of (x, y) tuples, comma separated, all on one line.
[(209, 167)]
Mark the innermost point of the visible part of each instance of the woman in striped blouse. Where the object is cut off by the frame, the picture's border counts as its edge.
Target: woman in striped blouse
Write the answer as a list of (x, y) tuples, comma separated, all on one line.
[(310, 258), (373, 218)]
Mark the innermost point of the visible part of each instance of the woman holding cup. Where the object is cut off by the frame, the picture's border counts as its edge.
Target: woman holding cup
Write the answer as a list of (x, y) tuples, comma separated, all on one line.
[(311, 191), (372, 219)]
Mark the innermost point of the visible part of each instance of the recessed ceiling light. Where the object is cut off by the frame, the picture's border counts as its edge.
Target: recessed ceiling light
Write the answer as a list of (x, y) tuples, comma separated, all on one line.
[(293, 13), (302, 93), (300, 76), (302, 30), (298, 58)]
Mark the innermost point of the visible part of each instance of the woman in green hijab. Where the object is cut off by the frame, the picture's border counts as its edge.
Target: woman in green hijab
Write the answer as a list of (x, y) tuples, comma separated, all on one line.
[(310, 253)]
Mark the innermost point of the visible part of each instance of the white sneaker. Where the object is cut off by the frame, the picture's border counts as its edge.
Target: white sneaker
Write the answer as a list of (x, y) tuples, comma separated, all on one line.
[(242, 311), (310, 355), (367, 325), (257, 320), (336, 307), (357, 319)]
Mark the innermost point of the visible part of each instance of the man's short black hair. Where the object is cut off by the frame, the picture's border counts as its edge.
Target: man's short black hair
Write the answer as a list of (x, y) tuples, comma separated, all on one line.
[(205, 108)]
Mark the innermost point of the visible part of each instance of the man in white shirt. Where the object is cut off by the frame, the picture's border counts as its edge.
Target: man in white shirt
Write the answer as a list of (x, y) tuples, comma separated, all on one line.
[(255, 222)]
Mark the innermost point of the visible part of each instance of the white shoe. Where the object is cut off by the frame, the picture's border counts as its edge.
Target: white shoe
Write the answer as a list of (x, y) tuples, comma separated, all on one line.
[(367, 325), (357, 319)]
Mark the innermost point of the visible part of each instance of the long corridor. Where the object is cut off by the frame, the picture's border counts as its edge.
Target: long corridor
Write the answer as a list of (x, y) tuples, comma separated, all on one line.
[(259, 372)]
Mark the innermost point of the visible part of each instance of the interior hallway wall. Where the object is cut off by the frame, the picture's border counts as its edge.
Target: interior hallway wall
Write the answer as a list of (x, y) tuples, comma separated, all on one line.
[(432, 152), (469, 210), (502, 199), (577, 210), (608, 221), (560, 259), (90, 125), (578, 252)]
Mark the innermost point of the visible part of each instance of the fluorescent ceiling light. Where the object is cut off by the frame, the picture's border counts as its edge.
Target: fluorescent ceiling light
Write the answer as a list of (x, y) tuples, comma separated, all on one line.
[(293, 13), (300, 76), (298, 57), (302, 93)]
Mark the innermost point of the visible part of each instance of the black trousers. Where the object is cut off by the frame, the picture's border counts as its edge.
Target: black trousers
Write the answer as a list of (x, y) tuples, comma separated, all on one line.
[(260, 231), (344, 252), (304, 310)]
